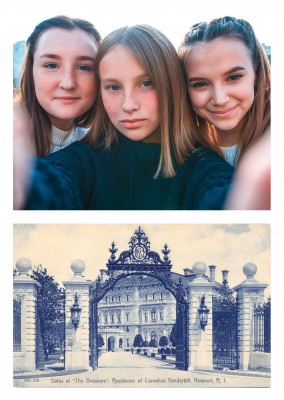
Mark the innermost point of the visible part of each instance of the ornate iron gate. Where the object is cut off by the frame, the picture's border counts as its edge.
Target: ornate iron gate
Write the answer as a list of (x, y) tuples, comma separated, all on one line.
[(225, 332), (140, 260), (182, 351)]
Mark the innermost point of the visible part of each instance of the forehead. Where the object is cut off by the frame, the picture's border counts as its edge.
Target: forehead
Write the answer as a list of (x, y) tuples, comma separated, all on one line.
[(121, 59), (218, 54), (56, 40)]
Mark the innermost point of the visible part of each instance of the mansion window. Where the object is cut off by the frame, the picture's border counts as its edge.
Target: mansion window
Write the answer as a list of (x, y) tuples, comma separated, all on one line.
[(106, 319), (112, 318), (161, 316), (106, 299), (153, 315), (118, 318), (127, 317), (146, 317), (162, 296), (146, 297), (127, 297)]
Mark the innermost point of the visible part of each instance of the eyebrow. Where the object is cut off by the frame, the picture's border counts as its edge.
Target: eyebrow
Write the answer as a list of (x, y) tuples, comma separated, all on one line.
[(238, 68), (57, 57), (138, 78)]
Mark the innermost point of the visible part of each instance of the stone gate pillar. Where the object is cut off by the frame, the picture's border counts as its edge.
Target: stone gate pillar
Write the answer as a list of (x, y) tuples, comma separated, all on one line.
[(200, 341), (25, 297), (77, 338), (249, 292)]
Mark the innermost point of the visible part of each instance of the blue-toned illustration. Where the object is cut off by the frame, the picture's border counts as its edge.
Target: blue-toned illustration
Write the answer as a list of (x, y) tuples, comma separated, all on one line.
[(138, 314)]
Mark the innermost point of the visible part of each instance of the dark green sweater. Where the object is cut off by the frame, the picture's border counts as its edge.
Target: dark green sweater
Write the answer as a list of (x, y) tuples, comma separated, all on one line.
[(121, 178)]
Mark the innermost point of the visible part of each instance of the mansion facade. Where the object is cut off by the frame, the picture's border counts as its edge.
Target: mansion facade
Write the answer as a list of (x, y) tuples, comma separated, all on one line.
[(136, 305)]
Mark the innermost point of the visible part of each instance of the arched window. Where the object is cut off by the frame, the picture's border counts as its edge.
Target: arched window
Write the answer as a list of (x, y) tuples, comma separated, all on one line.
[(120, 343), (153, 315)]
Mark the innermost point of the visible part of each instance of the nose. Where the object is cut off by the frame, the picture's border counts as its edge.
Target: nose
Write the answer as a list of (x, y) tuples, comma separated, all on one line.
[(67, 79), (219, 96), (130, 101)]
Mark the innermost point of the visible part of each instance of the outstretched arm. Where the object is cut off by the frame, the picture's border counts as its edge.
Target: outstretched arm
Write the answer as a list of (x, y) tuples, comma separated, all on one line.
[(251, 188), (23, 153)]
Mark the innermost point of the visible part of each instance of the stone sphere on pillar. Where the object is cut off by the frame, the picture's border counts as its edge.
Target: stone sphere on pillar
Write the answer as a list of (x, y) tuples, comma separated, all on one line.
[(249, 269), (199, 268), (23, 265), (78, 267)]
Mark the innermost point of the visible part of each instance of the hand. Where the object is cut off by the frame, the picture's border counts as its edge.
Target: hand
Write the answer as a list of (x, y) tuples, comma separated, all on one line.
[(23, 153), (252, 184)]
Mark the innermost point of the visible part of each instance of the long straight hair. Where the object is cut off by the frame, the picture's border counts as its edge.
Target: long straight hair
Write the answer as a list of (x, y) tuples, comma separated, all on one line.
[(41, 125), (159, 58), (257, 119)]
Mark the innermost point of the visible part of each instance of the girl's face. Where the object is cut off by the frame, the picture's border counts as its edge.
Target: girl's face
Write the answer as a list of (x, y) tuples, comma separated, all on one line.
[(220, 76), (128, 95), (64, 74)]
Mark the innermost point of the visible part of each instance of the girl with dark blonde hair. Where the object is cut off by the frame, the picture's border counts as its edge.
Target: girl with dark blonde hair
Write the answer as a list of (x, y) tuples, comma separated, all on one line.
[(58, 84), (138, 153), (228, 81)]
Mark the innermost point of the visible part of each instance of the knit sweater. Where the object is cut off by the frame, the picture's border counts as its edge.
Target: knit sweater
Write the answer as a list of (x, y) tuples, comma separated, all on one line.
[(61, 139), (121, 178)]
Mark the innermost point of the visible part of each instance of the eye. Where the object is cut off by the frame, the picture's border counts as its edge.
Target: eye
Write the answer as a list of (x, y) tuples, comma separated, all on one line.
[(51, 66), (198, 85), (113, 88), (146, 83), (84, 68), (235, 77)]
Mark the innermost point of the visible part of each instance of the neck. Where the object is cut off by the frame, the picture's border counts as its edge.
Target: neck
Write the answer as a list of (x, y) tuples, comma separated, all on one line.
[(63, 125), (228, 138)]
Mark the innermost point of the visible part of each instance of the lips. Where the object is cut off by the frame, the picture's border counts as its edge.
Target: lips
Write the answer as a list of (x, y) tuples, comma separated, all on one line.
[(223, 112), (67, 99), (133, 123)]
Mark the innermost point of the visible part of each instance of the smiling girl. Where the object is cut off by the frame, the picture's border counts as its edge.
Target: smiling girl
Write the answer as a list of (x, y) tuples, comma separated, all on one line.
[(58, 85), (228, 81), (138, 153)]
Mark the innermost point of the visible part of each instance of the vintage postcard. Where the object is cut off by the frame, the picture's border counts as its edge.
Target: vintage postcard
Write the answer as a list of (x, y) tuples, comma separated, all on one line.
[(121, 306)]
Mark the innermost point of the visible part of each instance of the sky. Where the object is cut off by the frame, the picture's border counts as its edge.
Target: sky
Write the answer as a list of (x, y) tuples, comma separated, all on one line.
[(228, 246), (174, 18)]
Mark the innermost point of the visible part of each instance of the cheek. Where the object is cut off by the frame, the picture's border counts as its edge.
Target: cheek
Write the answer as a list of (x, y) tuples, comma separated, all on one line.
[(43, 85), (151, 101), (197, 99), (89, 88), (111, 105)]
